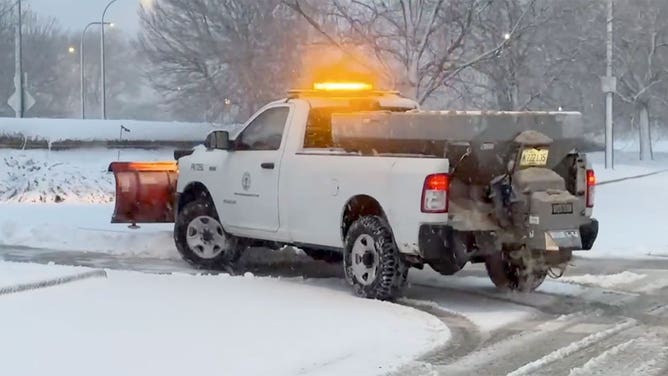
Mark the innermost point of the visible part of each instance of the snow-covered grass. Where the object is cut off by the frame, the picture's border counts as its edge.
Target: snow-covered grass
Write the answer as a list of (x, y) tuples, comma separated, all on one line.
[(77, 176), (632, 213), (632, 217), (139, 324)]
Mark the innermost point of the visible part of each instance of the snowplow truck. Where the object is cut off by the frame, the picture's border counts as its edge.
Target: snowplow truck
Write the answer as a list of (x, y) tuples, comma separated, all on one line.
[(370, 178)]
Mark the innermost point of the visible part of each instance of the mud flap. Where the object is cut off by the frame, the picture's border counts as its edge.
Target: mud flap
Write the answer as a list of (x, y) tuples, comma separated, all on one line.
[(145, 191), (588, 233)]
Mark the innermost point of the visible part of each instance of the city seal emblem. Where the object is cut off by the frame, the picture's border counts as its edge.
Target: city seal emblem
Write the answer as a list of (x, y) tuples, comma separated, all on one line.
[(246, 181)]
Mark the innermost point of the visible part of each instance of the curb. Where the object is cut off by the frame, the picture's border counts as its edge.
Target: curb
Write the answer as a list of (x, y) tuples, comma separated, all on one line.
[(52, 282), (632, 177)]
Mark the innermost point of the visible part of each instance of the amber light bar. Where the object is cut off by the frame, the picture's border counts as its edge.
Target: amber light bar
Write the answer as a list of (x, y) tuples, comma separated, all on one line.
[(342, 86)]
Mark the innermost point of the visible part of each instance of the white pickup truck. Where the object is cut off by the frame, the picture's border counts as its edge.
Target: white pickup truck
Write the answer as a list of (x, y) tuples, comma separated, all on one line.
[(283, 179)]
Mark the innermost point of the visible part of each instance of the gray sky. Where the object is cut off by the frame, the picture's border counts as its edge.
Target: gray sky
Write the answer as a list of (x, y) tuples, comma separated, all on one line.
[(75, 14)]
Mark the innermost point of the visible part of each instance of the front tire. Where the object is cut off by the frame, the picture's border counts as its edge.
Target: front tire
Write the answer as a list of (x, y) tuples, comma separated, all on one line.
[(371, 262), (201, 239)]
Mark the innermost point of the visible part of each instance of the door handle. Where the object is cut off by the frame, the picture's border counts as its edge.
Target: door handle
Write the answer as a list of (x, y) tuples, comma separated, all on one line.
[(267, 165)]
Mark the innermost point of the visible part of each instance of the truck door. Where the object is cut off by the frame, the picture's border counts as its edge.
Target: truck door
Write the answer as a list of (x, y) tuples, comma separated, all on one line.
[(252, 171)]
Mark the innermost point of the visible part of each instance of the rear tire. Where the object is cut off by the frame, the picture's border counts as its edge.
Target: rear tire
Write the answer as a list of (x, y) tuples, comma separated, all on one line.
[(371, 261), (524, 271), (201, 239)]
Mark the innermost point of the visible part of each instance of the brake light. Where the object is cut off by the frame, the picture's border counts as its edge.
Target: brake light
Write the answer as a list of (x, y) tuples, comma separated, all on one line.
[(435, 193), (591, 185)]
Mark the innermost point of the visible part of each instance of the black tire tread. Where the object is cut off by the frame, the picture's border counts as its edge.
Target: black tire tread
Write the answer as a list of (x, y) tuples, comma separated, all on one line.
[(393, 271), (191, 210)]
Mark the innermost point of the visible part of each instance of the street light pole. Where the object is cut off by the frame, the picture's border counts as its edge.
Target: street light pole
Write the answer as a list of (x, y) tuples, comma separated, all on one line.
[(82, 66), (609, 88), (103, 94), (18, 62)]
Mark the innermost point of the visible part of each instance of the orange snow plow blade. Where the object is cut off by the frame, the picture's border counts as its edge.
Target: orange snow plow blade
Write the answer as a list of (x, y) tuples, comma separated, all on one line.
[(145, 191)]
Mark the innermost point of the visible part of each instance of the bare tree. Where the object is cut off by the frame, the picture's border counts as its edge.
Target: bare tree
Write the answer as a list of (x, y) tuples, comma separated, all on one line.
[(220, 58), (47, 65), (537, 69), (642, 62), (421, 45)]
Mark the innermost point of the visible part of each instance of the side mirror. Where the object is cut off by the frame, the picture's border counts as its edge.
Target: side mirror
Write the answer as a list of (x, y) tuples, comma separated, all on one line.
[(219, 140)]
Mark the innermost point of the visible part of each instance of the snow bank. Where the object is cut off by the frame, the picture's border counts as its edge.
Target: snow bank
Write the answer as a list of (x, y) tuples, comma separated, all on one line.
[(77, 176), (25, 179), (83, 228), (54, 130), (139, 324)]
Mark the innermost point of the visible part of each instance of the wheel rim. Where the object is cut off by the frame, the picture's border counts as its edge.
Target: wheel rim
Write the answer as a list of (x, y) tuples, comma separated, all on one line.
[(364, 260), (206, 238)]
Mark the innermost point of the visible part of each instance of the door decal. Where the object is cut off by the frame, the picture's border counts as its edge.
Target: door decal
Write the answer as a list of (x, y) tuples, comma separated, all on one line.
[(246, 181)]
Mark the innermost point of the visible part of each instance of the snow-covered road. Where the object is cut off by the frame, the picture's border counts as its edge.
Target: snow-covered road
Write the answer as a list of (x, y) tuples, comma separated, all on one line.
[(593, 322), (134, 323)]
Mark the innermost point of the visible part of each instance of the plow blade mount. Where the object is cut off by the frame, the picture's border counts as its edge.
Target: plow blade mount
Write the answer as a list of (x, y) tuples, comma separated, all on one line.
[(145, 191)]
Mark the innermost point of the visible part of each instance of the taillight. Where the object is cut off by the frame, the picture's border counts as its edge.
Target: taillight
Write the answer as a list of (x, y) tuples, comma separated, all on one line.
[(591, 186), (435, 193)]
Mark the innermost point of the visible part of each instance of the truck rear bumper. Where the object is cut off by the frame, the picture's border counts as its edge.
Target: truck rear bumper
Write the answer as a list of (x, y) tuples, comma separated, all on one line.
[(444, 247)]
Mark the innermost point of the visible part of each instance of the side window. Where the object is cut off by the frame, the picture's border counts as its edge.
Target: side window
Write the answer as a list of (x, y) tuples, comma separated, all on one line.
[(319, 129), (265, 132)]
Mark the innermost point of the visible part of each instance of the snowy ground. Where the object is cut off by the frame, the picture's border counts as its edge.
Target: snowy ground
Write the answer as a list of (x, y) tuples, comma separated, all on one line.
[(137, 324), (299, 325), (631, 212)]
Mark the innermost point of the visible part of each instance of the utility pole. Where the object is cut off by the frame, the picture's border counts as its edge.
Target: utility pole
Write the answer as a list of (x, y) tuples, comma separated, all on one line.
[(609, 86), (18, 60)]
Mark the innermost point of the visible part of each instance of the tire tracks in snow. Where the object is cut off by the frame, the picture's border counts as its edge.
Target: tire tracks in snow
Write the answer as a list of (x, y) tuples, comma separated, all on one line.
[(532, 367), (22, 287), (635, 356), (465, 335)]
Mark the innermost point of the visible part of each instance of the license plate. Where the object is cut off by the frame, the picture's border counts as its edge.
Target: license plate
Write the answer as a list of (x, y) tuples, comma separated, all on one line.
[(562, 208), (565, 234), (534, 157)]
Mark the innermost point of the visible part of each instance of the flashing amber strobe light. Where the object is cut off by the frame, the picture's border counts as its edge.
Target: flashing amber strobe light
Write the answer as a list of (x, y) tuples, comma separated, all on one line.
[(342, 86)]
